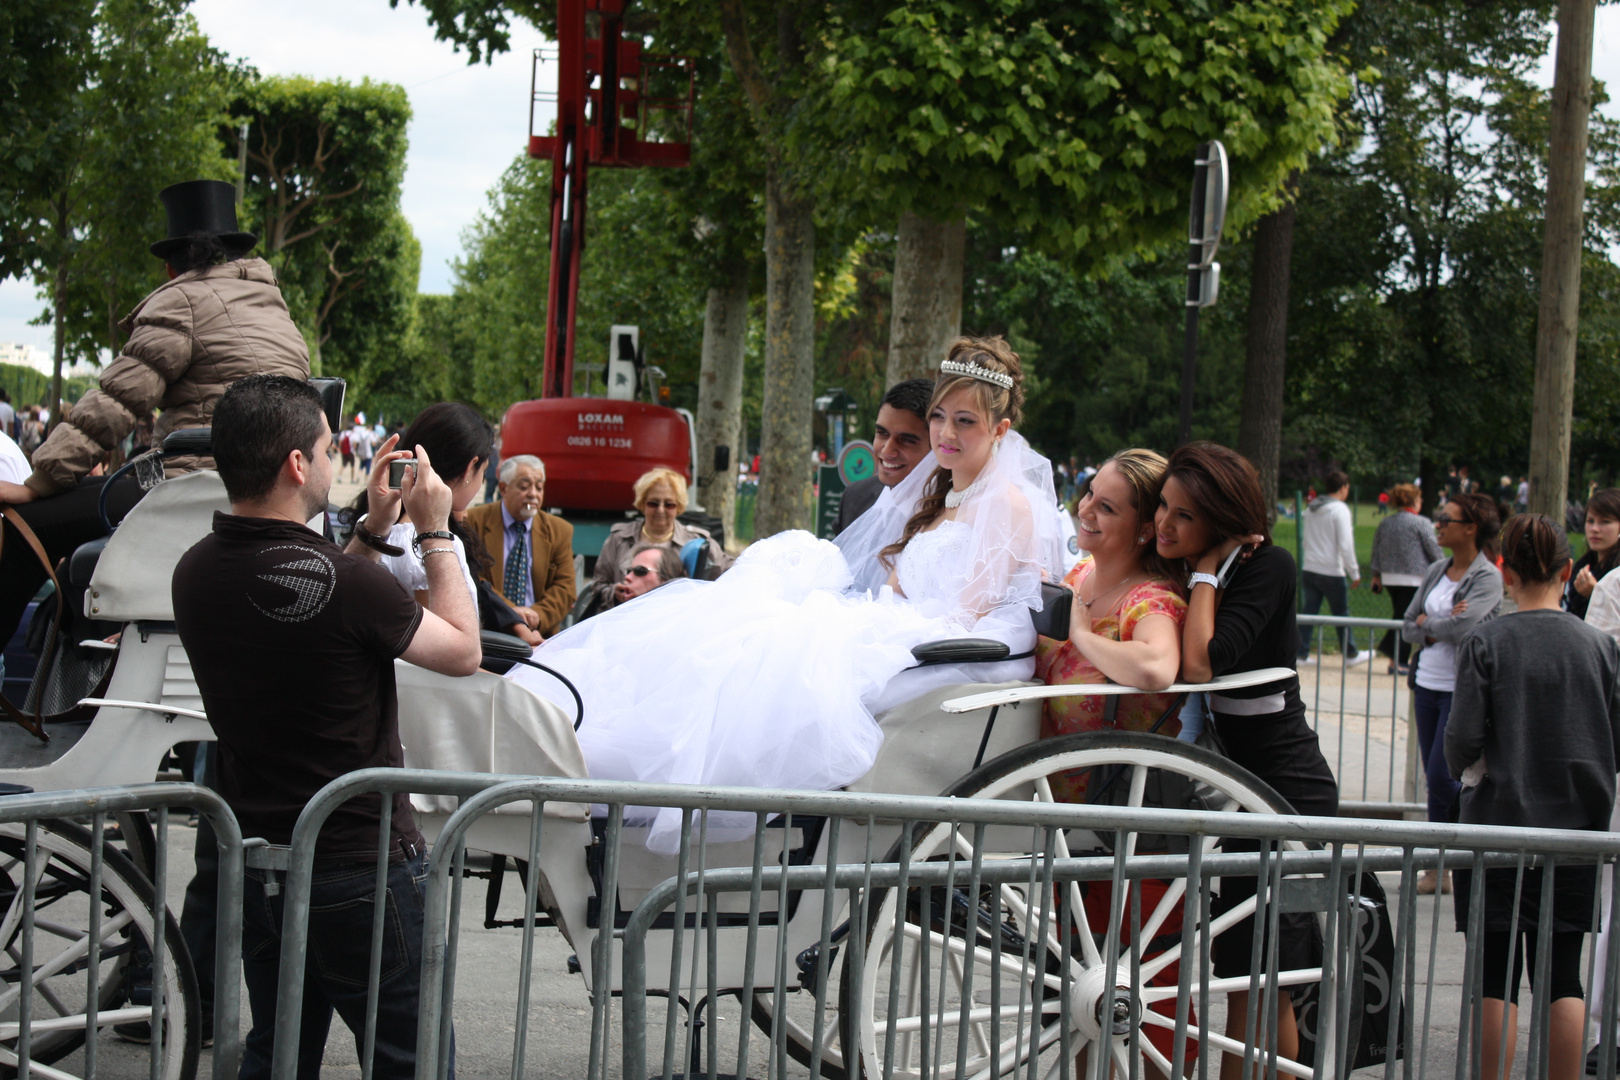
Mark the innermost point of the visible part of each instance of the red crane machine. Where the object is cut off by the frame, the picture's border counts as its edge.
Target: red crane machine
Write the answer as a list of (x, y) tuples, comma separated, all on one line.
[(621, 107)]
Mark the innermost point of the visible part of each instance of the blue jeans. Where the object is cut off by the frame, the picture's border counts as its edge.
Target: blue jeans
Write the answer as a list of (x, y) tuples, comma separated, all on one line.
[(1194, 715), (337, 966), (1336, 591), (1433, 709)]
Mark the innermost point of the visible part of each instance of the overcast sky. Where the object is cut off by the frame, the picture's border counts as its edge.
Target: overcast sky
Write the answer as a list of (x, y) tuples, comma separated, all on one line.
[(468, 123)]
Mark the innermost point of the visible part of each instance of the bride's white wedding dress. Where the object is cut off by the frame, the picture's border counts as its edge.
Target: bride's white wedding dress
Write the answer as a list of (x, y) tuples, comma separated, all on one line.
[(770, 676)]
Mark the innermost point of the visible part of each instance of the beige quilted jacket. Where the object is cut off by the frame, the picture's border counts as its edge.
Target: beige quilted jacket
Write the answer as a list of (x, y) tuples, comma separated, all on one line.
[(187, 341)]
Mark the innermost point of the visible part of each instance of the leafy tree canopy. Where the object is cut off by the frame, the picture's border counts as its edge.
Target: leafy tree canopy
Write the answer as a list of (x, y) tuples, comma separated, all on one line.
[(1075, 125)]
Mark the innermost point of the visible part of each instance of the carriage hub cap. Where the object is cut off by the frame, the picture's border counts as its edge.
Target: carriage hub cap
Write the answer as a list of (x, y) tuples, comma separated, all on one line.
[(1098, 1003)]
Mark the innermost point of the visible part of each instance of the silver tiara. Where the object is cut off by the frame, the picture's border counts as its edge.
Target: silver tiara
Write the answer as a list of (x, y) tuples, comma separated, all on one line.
[(974, 370)]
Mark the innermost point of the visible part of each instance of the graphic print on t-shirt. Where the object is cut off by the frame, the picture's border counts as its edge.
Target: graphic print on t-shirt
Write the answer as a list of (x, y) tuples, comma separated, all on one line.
[(308, 573)]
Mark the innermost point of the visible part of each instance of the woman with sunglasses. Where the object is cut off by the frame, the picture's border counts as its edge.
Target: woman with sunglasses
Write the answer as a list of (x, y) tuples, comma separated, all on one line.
[(660, 497), (1457, 594)]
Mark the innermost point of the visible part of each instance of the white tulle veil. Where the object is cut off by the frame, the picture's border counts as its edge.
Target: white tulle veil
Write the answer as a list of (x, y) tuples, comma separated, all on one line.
[(1014, 531)]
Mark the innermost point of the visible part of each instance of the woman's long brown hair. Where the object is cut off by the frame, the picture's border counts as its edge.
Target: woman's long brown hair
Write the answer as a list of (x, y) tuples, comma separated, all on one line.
[(998, 403)]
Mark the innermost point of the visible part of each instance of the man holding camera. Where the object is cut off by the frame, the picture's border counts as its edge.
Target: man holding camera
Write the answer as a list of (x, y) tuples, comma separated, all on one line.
[(263, 597)]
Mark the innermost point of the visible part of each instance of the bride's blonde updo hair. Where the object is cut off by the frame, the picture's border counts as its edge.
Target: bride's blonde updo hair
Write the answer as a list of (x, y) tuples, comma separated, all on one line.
[(996, 402)]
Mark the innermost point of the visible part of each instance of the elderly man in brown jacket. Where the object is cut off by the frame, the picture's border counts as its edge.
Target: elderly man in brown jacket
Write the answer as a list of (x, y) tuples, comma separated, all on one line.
[(525, 540), (219, 318)]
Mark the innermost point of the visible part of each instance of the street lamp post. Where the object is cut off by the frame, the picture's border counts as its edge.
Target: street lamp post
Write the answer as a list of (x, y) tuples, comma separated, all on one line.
[(1205, 220)]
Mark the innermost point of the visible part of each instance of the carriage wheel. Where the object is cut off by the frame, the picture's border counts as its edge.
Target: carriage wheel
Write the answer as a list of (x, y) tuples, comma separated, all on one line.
[(61, 951), (1024, 998)]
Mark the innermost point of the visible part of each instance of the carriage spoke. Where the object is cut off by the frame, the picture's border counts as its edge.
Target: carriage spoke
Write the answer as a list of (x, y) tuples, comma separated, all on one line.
[(1293, 977), (66, 957), (1217, 926), (9, 1058), (75, 1022), (13, 919), (1152, 1053), (1263, 1058)]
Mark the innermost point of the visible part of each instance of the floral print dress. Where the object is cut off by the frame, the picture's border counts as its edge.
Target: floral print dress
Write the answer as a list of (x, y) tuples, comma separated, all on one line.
[(1059, 662)]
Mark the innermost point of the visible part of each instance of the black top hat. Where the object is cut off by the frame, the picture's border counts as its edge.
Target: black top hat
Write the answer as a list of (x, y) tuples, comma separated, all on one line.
[(202, 208)]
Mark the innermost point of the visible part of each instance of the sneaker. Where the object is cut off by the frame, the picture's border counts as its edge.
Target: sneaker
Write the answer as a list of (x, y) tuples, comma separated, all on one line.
[(1306, 661), (136, 1031), (1403, 670), (1358, 659)]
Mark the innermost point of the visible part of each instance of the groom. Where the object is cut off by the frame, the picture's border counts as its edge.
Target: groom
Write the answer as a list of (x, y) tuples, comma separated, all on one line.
[(899, 442)]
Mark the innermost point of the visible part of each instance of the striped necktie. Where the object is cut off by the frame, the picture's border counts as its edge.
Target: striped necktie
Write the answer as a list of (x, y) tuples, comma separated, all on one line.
[(515, 578)]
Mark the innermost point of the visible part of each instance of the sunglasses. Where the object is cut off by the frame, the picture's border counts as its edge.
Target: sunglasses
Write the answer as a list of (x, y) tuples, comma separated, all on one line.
[(665, 504), (640, 571), (1439, 521)]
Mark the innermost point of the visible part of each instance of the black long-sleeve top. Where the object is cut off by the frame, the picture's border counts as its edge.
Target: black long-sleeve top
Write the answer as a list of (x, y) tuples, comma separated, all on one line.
[(1254, 624), (1574, 602)]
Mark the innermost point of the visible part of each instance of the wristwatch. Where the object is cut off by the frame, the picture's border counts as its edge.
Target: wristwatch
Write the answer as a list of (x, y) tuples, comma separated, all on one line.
[(1206, 579), (373, 541), (436, 534)]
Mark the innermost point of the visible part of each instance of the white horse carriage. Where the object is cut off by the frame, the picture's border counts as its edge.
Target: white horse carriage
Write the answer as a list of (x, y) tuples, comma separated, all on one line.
[(978, 741)]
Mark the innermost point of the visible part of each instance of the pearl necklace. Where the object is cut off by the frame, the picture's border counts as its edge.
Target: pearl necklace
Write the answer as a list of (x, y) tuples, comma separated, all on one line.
[(954, 498)]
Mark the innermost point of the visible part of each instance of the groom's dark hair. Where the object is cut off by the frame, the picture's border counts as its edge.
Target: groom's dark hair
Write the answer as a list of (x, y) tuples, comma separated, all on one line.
[(913, 395)]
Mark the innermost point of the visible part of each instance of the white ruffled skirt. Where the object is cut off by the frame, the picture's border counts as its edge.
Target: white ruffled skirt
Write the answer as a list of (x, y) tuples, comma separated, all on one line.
[(768, 677)]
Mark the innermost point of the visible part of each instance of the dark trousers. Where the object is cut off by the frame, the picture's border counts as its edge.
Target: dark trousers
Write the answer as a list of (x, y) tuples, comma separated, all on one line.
[(1433, 709), (1393, 645), (337, 966), (199, 916), (1336, 591), (62, 522)]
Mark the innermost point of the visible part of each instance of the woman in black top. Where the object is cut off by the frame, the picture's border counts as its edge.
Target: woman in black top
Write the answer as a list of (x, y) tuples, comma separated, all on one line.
[(1602, 550), (1211, 505)]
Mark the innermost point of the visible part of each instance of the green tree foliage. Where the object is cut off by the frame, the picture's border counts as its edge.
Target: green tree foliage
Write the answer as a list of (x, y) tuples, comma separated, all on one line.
[(325, 161), (43, 46), (123, 108), (1419, 244), (636, 269), (1073, 124)]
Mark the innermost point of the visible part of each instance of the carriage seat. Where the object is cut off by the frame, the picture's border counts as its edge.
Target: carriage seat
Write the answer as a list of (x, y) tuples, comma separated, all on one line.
[(82, 563)]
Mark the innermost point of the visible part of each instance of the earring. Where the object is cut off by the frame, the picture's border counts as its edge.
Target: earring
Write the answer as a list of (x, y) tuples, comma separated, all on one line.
[(1141, 539), (995, 448)]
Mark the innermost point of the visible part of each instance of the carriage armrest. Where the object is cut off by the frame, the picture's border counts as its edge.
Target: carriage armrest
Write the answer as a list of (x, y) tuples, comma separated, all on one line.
[(199, 441), (1040, 693), (960, 651), (501, 651)]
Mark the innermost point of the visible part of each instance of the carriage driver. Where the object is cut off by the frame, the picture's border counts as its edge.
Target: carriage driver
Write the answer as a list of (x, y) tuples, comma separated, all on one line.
[(293, 645)]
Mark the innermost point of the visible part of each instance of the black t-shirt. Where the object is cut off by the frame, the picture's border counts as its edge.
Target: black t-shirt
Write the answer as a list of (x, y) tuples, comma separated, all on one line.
[(293, 644), (1254, 625)]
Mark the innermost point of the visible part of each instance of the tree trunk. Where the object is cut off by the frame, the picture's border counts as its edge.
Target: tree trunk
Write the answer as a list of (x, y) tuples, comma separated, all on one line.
[(1260, 426), (60, 351), (790, 277), (1561, 262), (720, 386), (927, 297)]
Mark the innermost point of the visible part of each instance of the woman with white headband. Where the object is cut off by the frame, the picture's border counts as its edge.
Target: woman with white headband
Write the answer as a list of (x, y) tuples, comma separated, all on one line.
[(770, 676)]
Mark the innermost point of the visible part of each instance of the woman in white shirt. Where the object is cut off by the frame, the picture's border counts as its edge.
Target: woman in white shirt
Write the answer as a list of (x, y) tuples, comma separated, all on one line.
[(1457, 595)]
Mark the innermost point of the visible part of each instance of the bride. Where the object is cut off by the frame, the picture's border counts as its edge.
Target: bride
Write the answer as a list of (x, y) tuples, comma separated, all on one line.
[(770, 676)]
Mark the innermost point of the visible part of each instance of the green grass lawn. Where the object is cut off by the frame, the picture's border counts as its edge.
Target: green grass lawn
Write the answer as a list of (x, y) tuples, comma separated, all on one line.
[(1363, 601)]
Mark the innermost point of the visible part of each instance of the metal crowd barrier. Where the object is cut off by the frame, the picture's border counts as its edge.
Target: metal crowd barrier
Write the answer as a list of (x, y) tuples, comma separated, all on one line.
[(1362, 715), (984, 937), (72, 878)]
